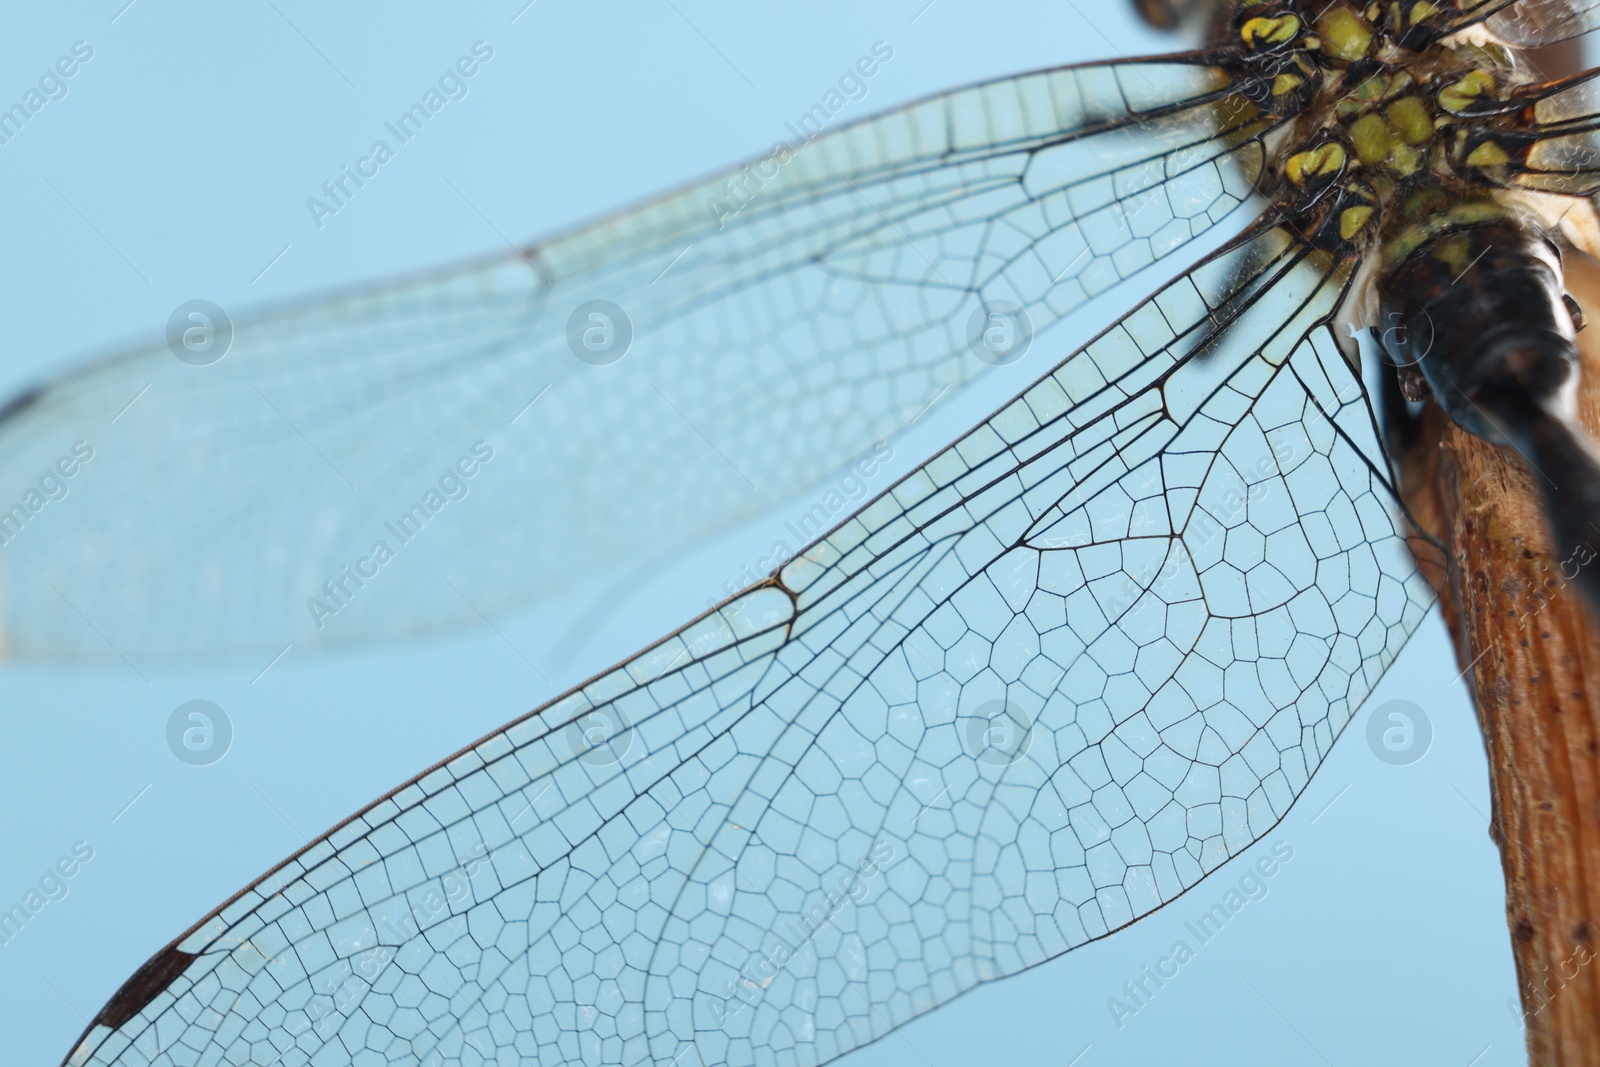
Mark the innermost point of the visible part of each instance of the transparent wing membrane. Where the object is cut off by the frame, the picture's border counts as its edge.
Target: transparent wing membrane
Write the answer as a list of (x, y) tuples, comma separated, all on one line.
[(776, 322), (1563, 155), (1036, 690), (1531, 23)]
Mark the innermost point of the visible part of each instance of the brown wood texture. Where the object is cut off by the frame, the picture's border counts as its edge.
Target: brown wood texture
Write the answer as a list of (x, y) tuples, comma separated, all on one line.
[(1530, 646)]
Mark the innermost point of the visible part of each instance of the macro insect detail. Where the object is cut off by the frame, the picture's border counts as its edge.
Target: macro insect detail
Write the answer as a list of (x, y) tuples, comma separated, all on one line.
[(1429, 158), (1045, 684)]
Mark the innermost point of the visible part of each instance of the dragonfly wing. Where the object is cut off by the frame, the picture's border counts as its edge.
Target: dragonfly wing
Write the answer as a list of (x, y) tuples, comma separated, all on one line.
[(1531, 23), (1557, 151), (781, 320), (1041, 687)]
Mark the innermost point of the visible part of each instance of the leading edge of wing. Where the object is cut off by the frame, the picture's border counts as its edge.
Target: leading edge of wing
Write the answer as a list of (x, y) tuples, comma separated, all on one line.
[(956, 144), (273, 310), (394, 384)]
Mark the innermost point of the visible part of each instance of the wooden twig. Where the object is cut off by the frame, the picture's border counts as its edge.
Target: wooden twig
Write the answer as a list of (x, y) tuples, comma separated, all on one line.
[(1530, 644)]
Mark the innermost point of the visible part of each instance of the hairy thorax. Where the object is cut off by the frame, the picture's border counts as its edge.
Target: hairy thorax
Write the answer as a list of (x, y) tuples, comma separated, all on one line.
[(1398, 133)]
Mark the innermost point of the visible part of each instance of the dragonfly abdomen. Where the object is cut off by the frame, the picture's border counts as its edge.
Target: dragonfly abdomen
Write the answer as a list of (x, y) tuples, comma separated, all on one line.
[(1480, 312), (1479, 317)]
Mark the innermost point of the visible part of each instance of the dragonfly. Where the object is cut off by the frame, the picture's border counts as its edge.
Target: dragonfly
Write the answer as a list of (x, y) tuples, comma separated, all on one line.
[(738, 623)]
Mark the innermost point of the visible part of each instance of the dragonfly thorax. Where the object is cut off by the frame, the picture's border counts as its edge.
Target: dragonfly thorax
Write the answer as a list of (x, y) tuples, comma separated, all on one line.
[(1378, 108), (1412, 146)]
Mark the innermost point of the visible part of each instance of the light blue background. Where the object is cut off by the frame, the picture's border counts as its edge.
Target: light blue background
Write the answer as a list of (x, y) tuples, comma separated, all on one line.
[(191, 142)]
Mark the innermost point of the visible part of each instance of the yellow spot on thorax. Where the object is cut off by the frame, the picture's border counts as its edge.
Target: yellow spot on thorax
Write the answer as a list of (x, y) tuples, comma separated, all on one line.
[(1316, 162), (1458, 96), (1423, 11), (1345, 34), (1488, 154), (1351, 220), (1409, 118), (1371, 138), (1270, 30)]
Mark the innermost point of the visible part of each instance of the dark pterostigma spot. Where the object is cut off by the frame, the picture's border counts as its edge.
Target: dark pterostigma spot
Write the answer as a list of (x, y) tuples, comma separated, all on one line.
[(21, 402), (145, 985)]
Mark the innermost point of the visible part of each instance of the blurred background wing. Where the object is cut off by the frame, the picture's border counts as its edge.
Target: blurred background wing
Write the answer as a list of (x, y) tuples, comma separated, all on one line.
[(771, 324), (1041, 687), (1533, 23)]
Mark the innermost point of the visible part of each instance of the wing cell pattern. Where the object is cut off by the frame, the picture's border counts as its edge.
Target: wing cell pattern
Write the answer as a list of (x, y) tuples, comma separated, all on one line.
[(1532, 23), (783, 319), (1563, 155), (1038, 689)]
